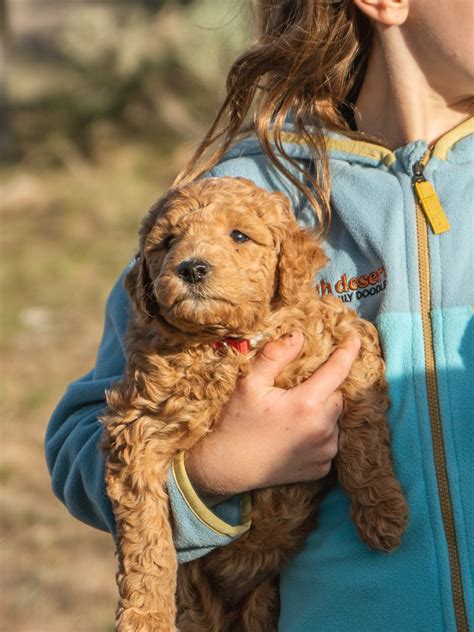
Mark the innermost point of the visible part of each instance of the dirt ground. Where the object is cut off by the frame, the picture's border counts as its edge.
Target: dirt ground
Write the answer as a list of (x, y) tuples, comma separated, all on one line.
[(66, 235)]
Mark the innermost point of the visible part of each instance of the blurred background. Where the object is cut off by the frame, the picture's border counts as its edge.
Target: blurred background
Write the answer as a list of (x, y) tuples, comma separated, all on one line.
[(101, 104)]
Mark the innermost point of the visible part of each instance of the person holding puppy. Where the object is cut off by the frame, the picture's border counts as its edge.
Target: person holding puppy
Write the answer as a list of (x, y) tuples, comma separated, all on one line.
[(362, 118)]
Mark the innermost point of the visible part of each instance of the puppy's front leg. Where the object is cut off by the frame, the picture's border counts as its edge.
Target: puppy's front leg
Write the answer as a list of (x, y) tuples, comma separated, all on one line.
[(147, 560), (147, 573), (365, 470)]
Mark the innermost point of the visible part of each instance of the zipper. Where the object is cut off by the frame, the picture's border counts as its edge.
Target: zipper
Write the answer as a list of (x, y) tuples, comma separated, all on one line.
[(428, 198), (436, 217)]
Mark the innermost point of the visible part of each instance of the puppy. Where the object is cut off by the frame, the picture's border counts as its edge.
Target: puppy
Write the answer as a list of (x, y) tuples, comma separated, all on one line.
[(221, 261)]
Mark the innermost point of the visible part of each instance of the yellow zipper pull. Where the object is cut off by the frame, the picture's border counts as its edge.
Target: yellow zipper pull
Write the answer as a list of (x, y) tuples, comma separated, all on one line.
[(429, 200)]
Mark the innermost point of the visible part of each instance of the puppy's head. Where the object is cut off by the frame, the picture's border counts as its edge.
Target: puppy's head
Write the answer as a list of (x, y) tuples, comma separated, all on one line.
[(216, 256)]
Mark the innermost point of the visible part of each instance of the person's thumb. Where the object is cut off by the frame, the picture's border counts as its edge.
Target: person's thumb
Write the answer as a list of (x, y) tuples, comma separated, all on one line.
[(274, 357)]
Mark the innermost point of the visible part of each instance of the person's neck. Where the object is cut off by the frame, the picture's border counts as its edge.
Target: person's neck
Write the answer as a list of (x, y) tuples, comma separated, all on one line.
[(397, 104)]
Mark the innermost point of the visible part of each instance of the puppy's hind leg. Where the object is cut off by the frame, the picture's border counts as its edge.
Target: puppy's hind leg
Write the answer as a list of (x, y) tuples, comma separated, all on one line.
[(260, 610), (200, 605)]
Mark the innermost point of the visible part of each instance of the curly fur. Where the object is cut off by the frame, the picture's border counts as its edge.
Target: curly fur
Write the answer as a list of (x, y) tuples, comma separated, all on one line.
[(176, 382)]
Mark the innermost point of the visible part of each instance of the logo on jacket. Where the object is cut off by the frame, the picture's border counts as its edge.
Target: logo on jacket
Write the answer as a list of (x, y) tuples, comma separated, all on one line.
[(356, 288)]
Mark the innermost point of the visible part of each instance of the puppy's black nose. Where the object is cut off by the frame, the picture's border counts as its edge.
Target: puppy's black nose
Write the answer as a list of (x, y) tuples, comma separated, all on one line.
[(193, 270)]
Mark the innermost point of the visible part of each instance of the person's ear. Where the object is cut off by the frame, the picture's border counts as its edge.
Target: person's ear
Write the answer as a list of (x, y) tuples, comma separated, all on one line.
[(385, 12)]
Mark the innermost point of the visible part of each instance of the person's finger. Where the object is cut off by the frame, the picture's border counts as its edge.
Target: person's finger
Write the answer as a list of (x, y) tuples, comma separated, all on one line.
[(273, 358), (330, 375)]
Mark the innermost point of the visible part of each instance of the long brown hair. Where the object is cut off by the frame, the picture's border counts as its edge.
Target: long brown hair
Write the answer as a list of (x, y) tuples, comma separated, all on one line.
[(306, 64)]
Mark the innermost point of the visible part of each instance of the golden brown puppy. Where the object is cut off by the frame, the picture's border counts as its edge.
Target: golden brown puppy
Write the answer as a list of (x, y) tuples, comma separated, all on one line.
[(221, 258)]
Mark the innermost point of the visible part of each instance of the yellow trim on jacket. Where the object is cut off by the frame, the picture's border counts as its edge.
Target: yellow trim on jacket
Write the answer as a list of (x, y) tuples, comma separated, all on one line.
[(445, 143), (201, 511), (384, 154)]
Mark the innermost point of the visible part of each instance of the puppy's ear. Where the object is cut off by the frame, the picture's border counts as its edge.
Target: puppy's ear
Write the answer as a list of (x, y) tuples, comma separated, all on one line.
[(138, 282), (300, 255), (139, 286)]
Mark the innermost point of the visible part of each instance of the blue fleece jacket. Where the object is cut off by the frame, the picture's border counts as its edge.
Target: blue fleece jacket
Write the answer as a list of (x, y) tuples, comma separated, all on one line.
[(388, 263)]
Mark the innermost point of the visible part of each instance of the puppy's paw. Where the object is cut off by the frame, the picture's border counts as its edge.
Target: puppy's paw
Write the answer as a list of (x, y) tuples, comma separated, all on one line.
[(381, 523), (131, 621)]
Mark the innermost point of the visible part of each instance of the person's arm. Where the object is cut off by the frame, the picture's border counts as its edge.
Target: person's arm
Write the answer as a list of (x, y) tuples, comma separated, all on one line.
[(76, 462), (74, 432)]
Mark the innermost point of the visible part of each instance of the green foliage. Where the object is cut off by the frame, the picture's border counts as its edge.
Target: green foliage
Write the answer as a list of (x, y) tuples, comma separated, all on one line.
[(135, 73)]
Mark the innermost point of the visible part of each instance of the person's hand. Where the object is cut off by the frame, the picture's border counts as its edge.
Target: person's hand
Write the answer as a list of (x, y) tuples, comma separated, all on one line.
[(268, 436)]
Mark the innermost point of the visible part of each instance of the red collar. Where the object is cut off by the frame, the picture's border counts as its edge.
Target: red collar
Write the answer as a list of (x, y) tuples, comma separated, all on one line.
[(240, 344)]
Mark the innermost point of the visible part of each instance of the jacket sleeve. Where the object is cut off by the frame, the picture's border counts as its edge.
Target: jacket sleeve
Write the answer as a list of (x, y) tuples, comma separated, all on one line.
[(76, 463)]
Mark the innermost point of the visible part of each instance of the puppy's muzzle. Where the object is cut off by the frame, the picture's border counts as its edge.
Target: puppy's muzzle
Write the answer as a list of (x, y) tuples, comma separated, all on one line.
[(193, 270)]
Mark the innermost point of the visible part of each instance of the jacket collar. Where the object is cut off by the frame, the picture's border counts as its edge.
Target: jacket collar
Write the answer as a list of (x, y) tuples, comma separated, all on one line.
[(358, 150)]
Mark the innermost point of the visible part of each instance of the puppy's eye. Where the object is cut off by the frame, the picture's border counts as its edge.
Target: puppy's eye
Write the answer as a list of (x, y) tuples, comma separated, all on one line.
[(168, 242), (239, 237)]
